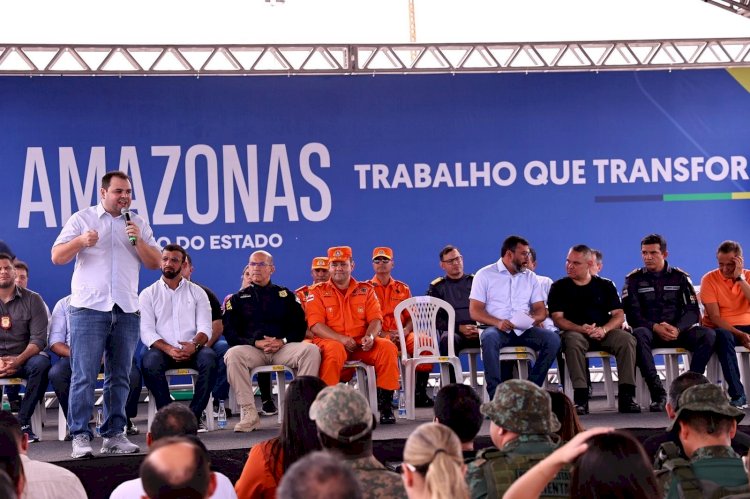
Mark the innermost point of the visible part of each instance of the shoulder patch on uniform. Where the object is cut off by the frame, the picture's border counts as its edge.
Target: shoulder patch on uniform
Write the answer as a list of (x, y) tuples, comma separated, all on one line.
[(228, 304), (633, 272), (437, 280)]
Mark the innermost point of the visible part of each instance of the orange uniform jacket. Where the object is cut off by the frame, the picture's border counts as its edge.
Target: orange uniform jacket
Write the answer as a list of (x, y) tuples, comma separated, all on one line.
[(346, 313), (302, 294), (389, 296)]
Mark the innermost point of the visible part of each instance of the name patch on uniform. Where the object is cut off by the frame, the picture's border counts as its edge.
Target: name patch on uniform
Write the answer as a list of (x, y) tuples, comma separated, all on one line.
[(645, 290), (671, 288), (282, 293)]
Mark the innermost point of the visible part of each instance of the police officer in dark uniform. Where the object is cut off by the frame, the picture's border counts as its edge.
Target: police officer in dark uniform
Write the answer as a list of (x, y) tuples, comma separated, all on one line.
[(264, 325), (661, 307), (455, 288)]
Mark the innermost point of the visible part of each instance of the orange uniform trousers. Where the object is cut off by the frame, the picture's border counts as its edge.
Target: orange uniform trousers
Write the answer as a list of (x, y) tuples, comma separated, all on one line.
[(383, 356)]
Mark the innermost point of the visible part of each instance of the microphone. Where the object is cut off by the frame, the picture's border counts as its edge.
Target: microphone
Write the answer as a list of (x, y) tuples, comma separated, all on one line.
[(126, 213)]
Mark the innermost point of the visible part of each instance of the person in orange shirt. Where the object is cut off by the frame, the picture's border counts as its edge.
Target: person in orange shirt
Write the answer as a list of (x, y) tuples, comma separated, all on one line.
[(391, 292), (345, 317), (319, 272)]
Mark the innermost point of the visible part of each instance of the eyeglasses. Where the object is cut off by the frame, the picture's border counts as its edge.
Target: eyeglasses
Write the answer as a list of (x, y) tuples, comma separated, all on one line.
[(453, 261), (259, 264), (380, 260)]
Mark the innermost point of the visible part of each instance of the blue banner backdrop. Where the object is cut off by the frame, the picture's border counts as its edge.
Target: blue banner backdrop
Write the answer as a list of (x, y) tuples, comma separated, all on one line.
[(225, 165)]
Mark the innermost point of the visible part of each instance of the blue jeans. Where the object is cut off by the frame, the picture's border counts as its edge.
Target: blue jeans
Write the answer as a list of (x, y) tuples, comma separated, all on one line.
[(59, 377), (220, 389), (725, 343), (155, 363), (34, 371), (545, 343), (115, 335)]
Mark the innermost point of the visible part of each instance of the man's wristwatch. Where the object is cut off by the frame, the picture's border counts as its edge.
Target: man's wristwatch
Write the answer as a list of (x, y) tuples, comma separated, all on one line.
[(740, 277), (197, 345), (284, 341)]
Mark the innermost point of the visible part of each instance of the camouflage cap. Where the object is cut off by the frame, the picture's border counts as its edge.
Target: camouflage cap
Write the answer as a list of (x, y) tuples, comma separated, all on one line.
[(521, 407), (339, 407), (706, 398)]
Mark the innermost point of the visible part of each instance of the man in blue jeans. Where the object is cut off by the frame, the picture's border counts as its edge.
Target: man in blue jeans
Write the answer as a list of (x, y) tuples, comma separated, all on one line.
[(507, 297), (109, 244), (176, 327)]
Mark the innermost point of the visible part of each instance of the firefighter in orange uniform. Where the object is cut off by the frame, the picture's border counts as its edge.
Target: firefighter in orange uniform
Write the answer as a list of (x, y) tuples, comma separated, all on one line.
[(344, 316), (319, 272), (391, 292)]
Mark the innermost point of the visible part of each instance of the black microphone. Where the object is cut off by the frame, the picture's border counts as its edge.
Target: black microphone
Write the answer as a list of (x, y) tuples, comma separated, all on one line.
[(126, 213)]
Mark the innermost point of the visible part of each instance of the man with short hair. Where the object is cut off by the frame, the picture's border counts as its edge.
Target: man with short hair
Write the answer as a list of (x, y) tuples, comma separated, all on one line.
[(661, 307), (725, 294), (588, 311), (457, 407), (597, 262), (455, 288), (176, 327), (390, 293), (319, 475), (507, 297), (109, 244), (172, 420), (23, 329), (43, 480), (345, 424), (522, 425), (22, 273), (345, 317), (177, 467), (265, 325), (707, 423)]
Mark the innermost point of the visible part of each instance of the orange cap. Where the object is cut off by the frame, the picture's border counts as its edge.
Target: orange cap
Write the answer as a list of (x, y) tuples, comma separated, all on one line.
[(319, 262), (339, 253), (382, 251)]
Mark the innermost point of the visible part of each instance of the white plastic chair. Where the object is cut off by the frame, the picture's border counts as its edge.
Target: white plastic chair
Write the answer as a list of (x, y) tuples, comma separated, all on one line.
[(473, 354), (366, 383), (609, 383), (672, 357), (280, 371), (210, 423), (743, 359), (423, 311)]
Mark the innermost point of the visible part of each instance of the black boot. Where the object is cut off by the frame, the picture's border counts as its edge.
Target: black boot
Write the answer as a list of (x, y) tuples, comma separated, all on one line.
[(626, 403), (581, 400), (421, 399), (384, 406), (658, 396)]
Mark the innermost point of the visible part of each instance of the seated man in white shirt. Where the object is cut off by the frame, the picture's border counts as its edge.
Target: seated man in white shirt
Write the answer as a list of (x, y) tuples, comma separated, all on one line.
[(173, 420), (43, 480), (176, 325)]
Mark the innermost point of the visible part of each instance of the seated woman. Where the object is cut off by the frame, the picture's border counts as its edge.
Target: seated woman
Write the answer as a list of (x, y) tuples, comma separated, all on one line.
[(270, 459), (433, 464), (606, 463)]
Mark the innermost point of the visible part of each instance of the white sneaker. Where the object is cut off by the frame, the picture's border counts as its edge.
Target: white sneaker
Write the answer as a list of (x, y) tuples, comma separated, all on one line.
[(82, 446), (119, 444)]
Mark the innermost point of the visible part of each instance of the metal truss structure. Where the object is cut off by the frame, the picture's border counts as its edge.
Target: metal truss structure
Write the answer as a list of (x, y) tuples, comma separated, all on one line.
[(741, 7), (371, 59)]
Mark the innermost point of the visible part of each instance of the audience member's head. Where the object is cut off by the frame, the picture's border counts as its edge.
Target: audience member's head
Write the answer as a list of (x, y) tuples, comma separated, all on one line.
[(706, 418), (457, 407), (614, 466), (344, 420), (7, 487), (433, 463), (319, 475), (679, 385), (9, 423), (10, 459), (172, 420), (519, 407), (177, 467), (563, 408), (299, 434)]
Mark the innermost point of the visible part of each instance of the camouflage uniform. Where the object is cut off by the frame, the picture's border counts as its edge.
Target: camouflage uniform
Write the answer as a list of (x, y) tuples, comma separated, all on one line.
[(522, 407), (713, 466), (339, 407)]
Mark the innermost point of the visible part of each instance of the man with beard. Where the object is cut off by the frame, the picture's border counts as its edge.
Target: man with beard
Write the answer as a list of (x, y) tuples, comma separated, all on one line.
[(507, 297), (175, 326)]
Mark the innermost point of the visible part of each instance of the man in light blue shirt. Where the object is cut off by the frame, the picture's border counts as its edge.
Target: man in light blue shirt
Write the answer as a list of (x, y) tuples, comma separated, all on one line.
[(507, 297)]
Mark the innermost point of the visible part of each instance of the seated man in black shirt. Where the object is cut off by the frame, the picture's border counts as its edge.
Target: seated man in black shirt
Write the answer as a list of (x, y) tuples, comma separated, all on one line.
[(588, 311)]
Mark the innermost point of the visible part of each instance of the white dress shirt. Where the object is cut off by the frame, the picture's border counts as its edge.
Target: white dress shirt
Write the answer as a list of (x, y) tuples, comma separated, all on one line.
[(107, 273), (174, 315), (59, 328), (503, 293), (134, 489), (45, 480)]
